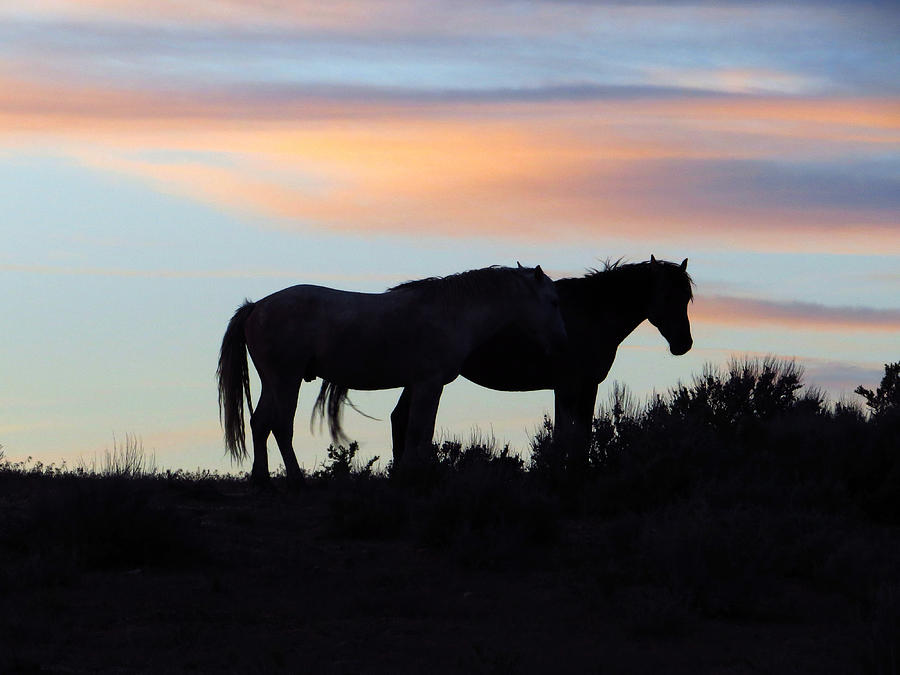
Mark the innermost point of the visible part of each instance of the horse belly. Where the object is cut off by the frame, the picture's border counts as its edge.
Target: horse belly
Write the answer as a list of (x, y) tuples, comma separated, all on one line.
[(368, 358), (509, 367), (358, 340), (359, 373)]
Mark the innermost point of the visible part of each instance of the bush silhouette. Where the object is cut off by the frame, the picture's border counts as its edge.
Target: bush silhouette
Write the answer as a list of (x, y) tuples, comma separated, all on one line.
[(885, 400), (751, 431), (342, 462)]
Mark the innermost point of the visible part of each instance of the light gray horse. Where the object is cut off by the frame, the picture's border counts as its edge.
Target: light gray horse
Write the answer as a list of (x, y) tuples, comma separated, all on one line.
[(416, 335)]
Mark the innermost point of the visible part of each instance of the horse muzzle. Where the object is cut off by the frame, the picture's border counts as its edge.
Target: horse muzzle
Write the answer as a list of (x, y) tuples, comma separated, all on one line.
[(681, 347)]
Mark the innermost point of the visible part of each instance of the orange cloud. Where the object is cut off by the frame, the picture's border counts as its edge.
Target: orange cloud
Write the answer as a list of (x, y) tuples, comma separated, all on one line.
[(575, 169), (485, 185), (67, 106)]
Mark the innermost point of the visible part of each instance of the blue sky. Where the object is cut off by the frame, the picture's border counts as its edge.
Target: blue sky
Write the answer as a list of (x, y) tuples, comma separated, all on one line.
[(159, 162)]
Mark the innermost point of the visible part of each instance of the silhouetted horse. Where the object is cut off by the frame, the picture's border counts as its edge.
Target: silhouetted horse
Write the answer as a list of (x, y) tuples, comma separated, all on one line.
[(600, 310), (416, 335)]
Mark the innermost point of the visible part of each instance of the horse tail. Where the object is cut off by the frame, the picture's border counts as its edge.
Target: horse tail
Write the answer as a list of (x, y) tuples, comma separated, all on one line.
[(234, 382), (330, 404)]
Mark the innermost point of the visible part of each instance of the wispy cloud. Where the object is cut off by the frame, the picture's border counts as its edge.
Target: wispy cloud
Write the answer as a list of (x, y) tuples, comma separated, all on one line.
[(886, 278), (317, 131), (837, 376), (40, 102), (131, 272), (515, 45), (456, 178), (747, 312)]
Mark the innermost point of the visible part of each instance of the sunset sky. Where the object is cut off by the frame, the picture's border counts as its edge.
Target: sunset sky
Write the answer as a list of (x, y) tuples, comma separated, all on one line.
[(160, 161)]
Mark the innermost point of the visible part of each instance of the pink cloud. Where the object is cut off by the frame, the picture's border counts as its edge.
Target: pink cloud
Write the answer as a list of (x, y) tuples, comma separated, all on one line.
[(340, 13), (745, 312), (563, 169)]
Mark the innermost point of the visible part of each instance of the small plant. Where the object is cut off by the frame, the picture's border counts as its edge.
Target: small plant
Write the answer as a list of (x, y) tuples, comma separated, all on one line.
[(614, 427), (548, 459), (126, 459), (481, 449), (885, 399), (748, 389), (342, 461)]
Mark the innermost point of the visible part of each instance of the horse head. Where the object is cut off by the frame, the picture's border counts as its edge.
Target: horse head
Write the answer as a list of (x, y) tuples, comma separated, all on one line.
[(542, 318), (669, 298)]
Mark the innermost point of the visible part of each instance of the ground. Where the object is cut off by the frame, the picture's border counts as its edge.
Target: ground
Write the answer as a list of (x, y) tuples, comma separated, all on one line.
[(262, 582)]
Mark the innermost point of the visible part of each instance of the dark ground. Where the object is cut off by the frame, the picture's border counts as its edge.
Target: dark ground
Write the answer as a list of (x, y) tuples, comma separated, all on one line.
[(237, 581), (734, 526)]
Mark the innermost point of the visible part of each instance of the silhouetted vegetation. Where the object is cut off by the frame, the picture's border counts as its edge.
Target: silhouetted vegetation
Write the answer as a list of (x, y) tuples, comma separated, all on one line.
[(740, 496), (748, 434), (127, 459), (473, 500), (884, 402)]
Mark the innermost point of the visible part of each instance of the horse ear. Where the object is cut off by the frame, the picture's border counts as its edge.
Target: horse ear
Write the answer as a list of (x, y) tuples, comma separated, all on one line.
[(519, 265), (652, 259), (684, 265), (538, 273)]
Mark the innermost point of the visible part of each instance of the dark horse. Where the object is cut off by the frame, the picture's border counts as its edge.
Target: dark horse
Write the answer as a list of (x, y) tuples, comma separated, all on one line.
[(600, 310), (416, 335)]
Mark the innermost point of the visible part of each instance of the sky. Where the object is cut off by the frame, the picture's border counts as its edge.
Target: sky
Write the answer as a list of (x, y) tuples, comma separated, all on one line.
[(160, 161)]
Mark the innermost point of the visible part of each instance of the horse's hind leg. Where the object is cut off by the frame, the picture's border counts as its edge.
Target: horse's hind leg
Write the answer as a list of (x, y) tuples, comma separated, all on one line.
[(399, 423), (261, 424), (283, 429)]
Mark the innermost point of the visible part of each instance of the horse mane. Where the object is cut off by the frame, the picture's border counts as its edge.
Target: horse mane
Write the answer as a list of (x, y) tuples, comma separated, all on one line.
[(494, 280), (624, 279)]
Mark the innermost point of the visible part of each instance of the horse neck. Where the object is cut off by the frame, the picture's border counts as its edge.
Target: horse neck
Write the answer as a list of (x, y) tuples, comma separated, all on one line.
[(626, 293)]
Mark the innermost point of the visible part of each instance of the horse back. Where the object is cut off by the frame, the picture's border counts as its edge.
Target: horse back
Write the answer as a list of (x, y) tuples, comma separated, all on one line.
[(363, 340)]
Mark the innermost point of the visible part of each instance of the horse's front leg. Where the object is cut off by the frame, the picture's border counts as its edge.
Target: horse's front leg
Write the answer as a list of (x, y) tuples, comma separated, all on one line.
[(563, 421), (424, 398), (399, 424), (582, 417)]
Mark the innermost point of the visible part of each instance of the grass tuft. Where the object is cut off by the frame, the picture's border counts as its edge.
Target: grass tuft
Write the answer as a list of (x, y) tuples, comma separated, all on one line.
[(126, 459)]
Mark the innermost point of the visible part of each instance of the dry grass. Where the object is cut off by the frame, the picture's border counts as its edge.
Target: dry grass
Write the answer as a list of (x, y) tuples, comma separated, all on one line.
[(127, 459)]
